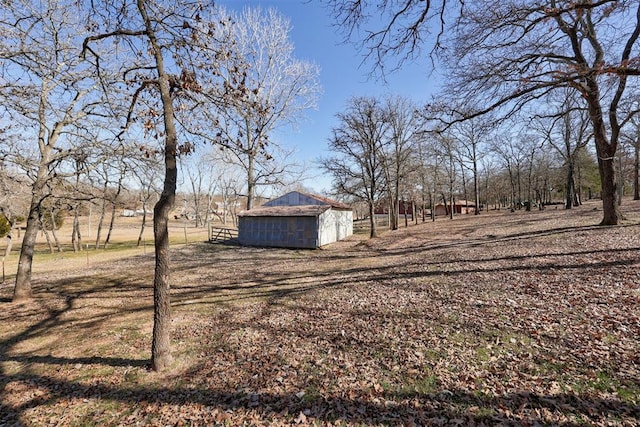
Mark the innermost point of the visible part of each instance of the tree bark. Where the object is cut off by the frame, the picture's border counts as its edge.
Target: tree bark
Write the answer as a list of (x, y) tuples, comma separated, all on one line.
[(112, 220), (102, 213), (250, 181), (570, 188), (7, 250), (160, 347), (372, 220), (46, 235), (611, 212), (605, 151), (53, 232), (22, 289), (76, 237), (636, 169), (144, 222), (476, 190)]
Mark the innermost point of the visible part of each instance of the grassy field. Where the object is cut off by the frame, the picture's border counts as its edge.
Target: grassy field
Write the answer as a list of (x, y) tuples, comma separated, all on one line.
[(123, 243), (525, 318)]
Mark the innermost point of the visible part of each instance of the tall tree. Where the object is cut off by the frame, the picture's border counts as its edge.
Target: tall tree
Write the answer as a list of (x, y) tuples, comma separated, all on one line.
[(398, 149), (356, 143), (48, 93), (161, 36), (566, 129), (509, 54), (471, 136), (506, 54), (446, 149), (263, 88)]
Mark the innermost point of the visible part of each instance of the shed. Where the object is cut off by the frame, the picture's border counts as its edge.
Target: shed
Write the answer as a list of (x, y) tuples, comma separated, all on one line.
[(296, 220)]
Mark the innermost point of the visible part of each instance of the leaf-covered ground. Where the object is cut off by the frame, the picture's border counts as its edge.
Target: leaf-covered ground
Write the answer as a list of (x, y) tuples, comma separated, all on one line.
[(506, 318)]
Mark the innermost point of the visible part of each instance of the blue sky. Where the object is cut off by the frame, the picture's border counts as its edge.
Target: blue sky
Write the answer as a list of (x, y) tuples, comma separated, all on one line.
[(341, 76)]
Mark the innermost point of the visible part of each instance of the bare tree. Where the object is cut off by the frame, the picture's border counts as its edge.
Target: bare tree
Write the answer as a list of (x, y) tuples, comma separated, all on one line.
[(156, 31), (471, 136), (356, 143), (47, 89), (197, 172), (398, 147), (256, 88), (513, 157), (447, 150), (507, 54), (392, 29), (229, 178), (566, 130)]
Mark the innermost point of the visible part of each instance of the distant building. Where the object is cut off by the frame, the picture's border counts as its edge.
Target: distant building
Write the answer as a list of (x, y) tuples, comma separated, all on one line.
[(295, 220), (459, 207), (404, 207)]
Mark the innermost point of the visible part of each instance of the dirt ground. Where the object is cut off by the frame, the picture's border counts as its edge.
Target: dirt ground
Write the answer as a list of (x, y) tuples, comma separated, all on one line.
[(525, 318)]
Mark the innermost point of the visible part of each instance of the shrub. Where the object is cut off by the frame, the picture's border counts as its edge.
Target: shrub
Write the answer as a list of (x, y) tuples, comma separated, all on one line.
[(58, 217), (5, 226)]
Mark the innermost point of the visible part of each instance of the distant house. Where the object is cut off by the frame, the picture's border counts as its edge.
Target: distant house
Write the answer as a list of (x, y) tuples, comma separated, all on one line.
[(404, 207), (295, 220), (459, 207)]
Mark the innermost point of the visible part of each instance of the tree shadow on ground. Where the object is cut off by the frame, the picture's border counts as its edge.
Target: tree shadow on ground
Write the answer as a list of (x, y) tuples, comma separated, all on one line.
[(392, 407), (448, 407)]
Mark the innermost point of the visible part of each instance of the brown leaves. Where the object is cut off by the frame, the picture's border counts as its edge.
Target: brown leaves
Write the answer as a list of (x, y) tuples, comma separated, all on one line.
[(435, 324)]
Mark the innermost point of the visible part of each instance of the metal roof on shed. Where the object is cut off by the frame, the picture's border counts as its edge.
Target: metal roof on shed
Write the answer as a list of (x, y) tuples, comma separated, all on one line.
[(299, 198), (283, 211)]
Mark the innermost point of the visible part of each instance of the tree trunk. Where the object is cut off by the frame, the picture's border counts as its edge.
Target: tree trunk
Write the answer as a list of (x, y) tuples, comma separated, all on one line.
[(433, 207), (372, 220), (636, 169), (464, 189), (53, 232), (112, 220), (7, 250), (476, 192), (611, 213), (394, 211), (250, 182), (406, 216), (76, 236), (22, 289), (576, 193), (606, 151), (570, 188), (74, 239), (46, 235), (160, 345), (144, 222), (101, 220)]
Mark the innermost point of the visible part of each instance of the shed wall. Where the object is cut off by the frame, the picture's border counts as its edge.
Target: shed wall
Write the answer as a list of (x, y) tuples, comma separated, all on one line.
[(334, 225), (284, 232)]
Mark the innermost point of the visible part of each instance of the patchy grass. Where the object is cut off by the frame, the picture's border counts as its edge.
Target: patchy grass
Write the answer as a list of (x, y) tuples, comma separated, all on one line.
[(515, 318)]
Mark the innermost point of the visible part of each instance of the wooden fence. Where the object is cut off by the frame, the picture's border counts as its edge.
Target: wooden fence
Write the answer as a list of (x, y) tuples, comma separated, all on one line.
[(223, 234)]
